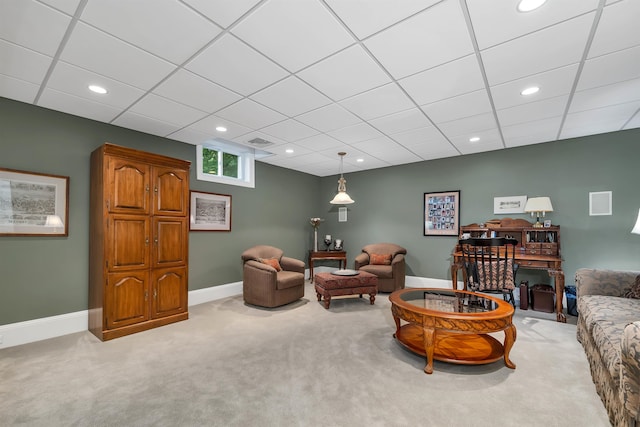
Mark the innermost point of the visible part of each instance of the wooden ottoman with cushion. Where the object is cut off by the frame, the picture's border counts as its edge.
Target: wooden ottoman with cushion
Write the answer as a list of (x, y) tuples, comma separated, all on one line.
[(330, 285)]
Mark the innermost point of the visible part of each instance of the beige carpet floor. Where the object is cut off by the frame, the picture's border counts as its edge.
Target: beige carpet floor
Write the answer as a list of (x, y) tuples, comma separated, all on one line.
[(301, 365)]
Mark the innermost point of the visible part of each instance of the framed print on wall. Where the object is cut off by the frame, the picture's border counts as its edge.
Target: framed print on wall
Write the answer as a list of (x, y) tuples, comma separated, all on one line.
[(509, 204), (33, 204), (442, 213), (209, 212)]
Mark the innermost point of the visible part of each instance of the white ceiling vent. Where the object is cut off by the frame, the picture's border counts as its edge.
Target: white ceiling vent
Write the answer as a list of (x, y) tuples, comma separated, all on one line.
[(259, 142)]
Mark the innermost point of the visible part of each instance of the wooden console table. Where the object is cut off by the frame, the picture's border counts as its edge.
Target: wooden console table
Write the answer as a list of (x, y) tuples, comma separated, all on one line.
[(340, 256), (538, 249)]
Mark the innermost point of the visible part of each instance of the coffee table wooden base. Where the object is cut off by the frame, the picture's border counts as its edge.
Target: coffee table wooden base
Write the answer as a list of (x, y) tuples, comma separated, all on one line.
[(466, 349)]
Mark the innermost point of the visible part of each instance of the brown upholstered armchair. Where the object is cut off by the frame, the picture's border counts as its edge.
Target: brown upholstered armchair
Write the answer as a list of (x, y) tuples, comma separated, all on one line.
[(385, 260), (269, 278)]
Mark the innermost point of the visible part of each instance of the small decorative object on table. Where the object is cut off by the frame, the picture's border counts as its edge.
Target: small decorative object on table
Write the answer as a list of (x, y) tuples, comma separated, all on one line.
[(315, 222), (327, 241), (338, 245)]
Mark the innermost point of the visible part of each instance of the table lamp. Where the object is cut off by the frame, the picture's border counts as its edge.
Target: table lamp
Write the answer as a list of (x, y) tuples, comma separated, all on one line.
[(538, 206)]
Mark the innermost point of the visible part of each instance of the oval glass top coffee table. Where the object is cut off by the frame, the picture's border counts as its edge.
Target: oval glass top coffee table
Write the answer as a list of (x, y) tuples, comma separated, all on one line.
[(453, 326)]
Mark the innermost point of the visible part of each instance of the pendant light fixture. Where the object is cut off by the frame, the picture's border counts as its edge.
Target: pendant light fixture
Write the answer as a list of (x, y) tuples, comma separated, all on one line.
[(342, 198)]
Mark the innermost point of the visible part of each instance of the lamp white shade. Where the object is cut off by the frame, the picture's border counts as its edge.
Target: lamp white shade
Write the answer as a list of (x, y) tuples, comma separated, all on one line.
[(342, 198), (636, 228), (538, 204)]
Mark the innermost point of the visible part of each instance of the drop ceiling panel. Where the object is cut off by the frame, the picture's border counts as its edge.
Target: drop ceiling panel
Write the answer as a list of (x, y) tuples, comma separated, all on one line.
[(328, 118), (166, 110), (552, 84), (605, 96), (33, 25), (514, 24), (618, 28), (23, 63), (419, 42), (544, 50), (222, 12), (75, 81), (299, 32), (490, 140), (424, 136), (250, 114), (104, 54), (67, 6), (601, 120), (144, 124), (611, 68), (532, 132), (533, 111), (291, 97), (195, 91), (365, 17), (401, 122), (469, 104), (355, 133), (233, 64), (289, 130), (19, 90), (77, 106), (345, 74), (209, 124), (468, 126), (382, 101), (448, 80), (130, 21)]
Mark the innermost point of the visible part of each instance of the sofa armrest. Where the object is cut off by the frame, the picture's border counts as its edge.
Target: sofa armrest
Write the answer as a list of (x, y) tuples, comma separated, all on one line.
[(630, 369), (360, 260), (292, 264), (604, 282)]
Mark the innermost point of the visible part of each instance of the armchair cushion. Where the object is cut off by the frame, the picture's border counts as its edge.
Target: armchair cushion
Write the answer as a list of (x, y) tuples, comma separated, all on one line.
[(273, 262), (380, 259)]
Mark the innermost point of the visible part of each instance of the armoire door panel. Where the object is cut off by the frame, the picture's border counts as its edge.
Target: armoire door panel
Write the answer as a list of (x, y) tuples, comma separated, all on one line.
[(129, 187), (129, 242), (171, 191), (127, 299), (169, 291), (170, 241)]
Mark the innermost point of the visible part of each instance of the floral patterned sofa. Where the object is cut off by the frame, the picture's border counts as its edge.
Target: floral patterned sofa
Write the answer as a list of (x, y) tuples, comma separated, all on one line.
[(609, 330)]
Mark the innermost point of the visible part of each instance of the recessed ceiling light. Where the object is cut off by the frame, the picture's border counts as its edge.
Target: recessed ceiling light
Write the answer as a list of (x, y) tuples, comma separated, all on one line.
[(221, 128), (289, 150), (97, 89), (529, 5), (474, 139), (359, 160), (530, 90)]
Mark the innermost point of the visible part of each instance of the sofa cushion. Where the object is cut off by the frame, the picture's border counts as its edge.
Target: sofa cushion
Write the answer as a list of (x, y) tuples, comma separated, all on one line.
[(273, 262), (382, 271), (289, 279), (602, 308), (380, 259), (634, 292)]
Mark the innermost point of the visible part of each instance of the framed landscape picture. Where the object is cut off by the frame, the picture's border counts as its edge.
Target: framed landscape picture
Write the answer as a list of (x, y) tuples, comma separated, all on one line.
[(210, 212), (33, 204), (442, 213)]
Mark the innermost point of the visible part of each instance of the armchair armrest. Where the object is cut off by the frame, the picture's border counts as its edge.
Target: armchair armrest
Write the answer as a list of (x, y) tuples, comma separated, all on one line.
[(604, 282), (630, 369), (360, 260), (292, 264)]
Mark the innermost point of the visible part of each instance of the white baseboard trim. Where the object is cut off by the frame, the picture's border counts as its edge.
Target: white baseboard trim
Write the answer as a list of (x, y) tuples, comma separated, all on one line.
[(29, 331)]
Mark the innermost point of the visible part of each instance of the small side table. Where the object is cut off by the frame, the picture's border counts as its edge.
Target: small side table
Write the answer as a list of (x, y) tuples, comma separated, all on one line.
[(340, 256)]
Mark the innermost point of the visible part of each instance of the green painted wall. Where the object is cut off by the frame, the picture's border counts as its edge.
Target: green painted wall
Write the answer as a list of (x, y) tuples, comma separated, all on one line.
[(43, 277), (46, 276)]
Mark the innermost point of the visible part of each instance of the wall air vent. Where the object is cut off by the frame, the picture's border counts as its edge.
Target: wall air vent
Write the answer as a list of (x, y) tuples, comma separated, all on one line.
[(259, 142)]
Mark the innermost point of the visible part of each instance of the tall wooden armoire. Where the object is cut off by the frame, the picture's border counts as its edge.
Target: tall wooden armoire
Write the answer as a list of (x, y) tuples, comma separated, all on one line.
[(139, 241)]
